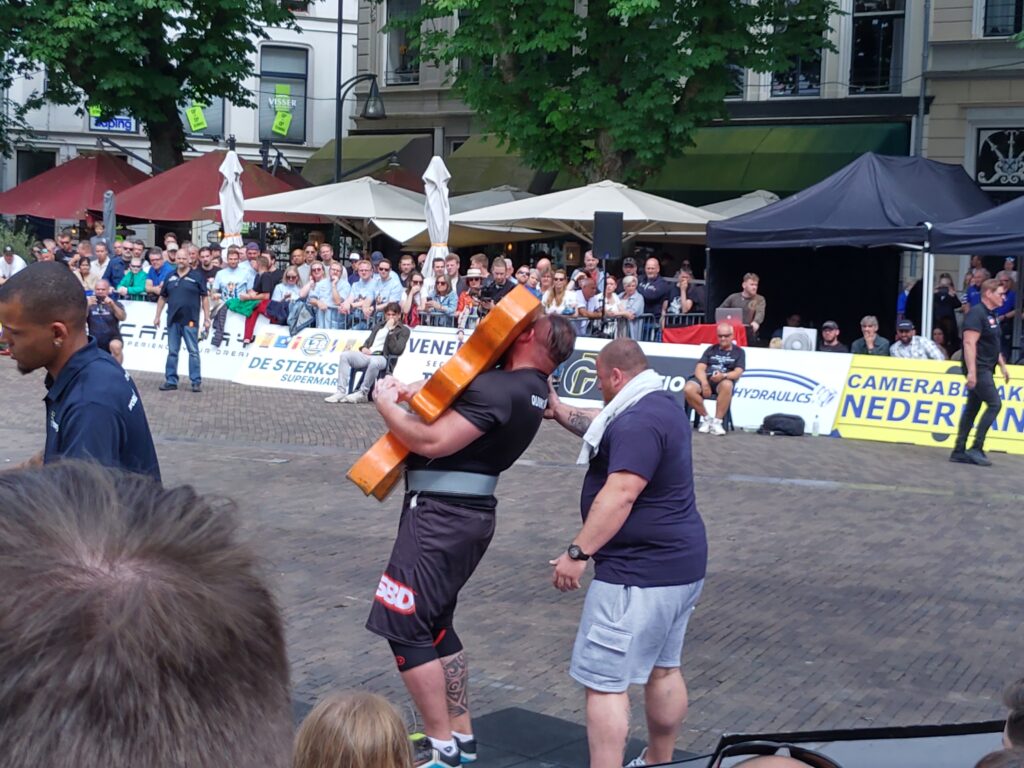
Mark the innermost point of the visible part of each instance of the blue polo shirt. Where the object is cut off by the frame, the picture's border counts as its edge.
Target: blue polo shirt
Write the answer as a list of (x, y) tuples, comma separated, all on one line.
[(183, 295), (115, 270), (93, 412), (159, 275), (662, 542)]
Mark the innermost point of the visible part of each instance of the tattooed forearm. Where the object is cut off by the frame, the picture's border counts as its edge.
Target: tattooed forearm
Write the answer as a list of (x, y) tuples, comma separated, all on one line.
[(456, 680), (579, 422)]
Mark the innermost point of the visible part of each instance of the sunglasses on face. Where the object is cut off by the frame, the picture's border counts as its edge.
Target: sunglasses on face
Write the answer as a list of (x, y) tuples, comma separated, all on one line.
[(417, 282), (725, 335), (291, 277), (559, 279), (383, 269), (318, 269), (763, 748)]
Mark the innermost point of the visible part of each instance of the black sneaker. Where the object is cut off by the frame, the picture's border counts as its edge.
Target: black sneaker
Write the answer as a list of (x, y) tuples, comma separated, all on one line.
[(959, 456), (197, 387), (165, 387), (977, 457), (426, 755), (467, 749)]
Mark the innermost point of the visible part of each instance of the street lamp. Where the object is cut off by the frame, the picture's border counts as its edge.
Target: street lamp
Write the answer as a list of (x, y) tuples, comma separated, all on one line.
[(372, 110)]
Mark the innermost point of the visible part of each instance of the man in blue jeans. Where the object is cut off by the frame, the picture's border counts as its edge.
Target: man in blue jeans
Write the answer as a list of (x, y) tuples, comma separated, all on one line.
[(183, 293)]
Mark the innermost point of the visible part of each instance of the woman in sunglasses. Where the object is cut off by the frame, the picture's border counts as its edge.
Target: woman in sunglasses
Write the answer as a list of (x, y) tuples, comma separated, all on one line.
[(413, 300), (443, 302)]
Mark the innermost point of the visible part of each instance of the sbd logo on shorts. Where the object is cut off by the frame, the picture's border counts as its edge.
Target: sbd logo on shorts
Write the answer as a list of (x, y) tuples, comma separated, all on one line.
[(396, 596)]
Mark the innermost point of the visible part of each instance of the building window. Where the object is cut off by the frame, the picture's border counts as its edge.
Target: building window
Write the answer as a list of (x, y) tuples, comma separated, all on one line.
[(1003, 17), (876, 64), (34, 162), (737, 81), (803, 78), (282, 95), (401, 68), (999, 162), (204, 121), (296, 6)]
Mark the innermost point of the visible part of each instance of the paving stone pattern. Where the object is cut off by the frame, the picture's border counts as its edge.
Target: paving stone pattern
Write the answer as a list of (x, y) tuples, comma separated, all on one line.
[(850, 584)]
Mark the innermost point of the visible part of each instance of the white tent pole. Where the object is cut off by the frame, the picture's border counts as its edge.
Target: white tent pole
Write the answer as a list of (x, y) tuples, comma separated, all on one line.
[(928, 297)]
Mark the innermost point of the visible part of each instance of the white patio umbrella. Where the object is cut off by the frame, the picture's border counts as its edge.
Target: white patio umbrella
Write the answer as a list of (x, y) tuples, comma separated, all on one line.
[(573, 211), (231, 200), (751, 201), (436, 212), (353, 205)]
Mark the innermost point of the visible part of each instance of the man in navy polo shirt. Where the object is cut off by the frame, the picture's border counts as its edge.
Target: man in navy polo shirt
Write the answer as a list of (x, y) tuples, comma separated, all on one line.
[(183, 293), (93, 410), (641, 525)]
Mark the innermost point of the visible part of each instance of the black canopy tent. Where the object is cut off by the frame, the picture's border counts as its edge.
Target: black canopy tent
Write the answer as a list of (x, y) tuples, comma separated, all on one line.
[(876, 200), (995, 232), (998, 231)]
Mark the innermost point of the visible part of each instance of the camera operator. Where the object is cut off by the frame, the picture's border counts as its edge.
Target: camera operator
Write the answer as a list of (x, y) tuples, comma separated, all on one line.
[(497, 288)]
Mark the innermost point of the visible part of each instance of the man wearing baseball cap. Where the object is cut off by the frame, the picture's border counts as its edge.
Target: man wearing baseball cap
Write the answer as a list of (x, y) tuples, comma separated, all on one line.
[(910, 346), (830, 338), (10, 265)]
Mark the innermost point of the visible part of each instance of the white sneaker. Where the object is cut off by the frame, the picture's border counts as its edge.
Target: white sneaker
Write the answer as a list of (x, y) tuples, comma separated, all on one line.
[(717, 428), (337, 397), (639, 761), (705, 424), (356, 397)]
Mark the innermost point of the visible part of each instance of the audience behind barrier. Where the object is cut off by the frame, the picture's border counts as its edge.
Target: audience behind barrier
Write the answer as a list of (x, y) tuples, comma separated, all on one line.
[(355, 301)]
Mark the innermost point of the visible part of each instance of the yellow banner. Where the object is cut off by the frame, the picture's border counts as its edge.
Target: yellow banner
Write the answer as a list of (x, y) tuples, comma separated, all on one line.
[(920, 401)]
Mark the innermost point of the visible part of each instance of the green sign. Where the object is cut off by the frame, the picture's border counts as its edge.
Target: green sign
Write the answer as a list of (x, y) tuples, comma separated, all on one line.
[(282, 122), (282, 100), (196, 118), (95, 112)]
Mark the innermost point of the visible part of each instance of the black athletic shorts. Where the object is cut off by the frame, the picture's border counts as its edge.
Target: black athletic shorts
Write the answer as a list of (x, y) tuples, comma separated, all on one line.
[(713, 385), (103, 342), (438, 546)]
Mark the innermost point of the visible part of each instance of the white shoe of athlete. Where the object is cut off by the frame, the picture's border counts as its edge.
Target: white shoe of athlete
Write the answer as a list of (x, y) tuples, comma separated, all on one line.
[(705, 424), (337, 397), (717, 428), (356, 397), (639, 761)]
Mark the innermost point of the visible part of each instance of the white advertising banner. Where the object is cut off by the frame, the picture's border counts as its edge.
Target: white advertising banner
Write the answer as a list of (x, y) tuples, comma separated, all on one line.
[(428, 348), (306, 361), (805, 384), (309, 360), (145, 345)]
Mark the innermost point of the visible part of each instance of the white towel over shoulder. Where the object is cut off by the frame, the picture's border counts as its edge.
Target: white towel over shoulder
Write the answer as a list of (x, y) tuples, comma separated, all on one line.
[(638, 387)]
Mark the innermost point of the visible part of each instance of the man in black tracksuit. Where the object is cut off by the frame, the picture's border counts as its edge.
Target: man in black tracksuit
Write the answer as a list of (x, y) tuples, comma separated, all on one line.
[(981, 354)]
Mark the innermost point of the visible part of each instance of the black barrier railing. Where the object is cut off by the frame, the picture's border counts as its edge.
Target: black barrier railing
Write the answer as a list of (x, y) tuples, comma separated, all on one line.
[(680, 321), (437, 319)]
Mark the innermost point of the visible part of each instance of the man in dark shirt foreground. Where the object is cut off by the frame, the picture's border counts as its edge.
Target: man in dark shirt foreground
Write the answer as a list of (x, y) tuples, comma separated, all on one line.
[(448, 520), (642, 527), (93, 410)]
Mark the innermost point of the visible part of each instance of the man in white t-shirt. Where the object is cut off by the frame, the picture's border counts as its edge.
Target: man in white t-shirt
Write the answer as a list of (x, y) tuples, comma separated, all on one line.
[(10, 265), (386, 343)]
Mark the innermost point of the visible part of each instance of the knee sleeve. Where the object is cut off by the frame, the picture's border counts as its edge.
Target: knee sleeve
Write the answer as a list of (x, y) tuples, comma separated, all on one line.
[(407, 657), (447, 642), (410, 656)]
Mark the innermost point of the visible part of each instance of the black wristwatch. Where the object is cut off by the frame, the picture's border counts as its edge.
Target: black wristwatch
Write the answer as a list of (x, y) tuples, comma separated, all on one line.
[(575, 553)]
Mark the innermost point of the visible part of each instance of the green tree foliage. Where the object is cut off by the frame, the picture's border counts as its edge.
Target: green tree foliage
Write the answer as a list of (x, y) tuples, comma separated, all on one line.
[(609, 88), (142, 57)]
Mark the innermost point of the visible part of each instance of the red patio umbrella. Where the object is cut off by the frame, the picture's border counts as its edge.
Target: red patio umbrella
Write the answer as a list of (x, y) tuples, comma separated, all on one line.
[(72, 188), (183, 192)]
